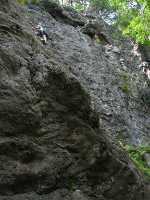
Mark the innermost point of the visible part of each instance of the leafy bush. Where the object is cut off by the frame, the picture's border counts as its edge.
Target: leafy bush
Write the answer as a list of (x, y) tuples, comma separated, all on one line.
[(79, 7), (137, 155), (131, 17)]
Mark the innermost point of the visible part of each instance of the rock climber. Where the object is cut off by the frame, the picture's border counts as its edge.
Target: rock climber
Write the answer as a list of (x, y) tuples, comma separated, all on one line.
[(40, 32), (145, 69)]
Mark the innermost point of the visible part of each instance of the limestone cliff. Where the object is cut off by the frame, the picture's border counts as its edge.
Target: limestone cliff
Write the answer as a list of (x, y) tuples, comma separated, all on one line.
[(52, 145), (109, 73)]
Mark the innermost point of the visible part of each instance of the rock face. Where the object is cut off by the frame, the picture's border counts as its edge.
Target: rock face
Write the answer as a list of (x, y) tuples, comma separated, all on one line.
[(110, 73), (93, 30), (65, 15), (51, 143), (147, 159)]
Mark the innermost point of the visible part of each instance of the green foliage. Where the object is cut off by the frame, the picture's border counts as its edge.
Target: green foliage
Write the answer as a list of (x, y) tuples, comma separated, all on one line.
[(126, 84), (98, 40), (25, 2), (125, 88), (130, 84), (133, 17), (34, 1), (38, 2), (79, 7), (137, 155), (103, 4)]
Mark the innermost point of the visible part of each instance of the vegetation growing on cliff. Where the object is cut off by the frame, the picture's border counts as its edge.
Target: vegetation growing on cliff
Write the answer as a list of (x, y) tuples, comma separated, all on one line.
[(137, 155), (27, 1), (132, 17)]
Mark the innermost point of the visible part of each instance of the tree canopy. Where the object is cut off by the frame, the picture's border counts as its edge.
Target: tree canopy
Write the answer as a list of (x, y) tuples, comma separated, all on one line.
[(133, 17)]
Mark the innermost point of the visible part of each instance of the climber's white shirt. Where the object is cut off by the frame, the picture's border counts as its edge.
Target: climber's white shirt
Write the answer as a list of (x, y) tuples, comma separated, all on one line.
[(148, 73)]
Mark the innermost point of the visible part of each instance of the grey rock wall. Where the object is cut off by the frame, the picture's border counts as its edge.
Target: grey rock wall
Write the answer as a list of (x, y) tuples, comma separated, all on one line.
[(51, 143), (110, 73)]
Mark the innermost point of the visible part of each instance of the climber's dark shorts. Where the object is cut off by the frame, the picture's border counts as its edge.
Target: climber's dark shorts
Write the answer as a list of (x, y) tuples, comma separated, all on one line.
[(40, 33)]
